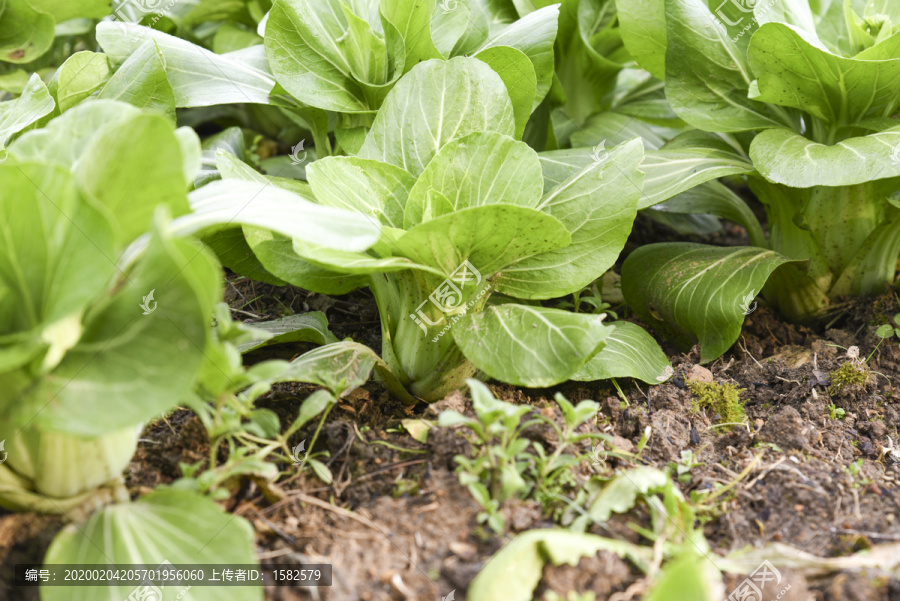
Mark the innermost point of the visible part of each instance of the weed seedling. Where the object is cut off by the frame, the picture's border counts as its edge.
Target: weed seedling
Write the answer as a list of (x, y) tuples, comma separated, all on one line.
[(889, 330), (836, 412), (502, 467), (854, 470), (682, 468)]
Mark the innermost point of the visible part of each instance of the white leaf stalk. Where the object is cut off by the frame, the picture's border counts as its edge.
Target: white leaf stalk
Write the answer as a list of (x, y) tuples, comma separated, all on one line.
[(56, 473)]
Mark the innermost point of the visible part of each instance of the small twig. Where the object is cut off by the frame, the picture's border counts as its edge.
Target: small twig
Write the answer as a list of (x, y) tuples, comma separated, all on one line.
[(725, 469), (744, 348), (766, 471), (890, 537), (311, 500)]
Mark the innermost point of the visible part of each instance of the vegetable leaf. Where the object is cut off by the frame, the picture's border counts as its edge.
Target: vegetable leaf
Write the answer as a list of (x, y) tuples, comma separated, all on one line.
[(530, 346), (693, 292)]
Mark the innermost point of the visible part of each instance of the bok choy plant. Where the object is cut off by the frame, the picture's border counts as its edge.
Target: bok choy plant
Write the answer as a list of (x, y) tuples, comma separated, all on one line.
[(28, 28), (468, 224), (808, 92), (346, 56), (105, 305), (82, 368)]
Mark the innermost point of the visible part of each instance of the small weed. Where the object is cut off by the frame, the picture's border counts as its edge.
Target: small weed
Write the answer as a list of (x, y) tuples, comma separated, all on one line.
[(506, 465), (405, 487), (682, 468), (836, 412), (854, 470), (889, 330)]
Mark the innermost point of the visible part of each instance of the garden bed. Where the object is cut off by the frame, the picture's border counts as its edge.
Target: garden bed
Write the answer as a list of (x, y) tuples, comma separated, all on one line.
[(396, 524)]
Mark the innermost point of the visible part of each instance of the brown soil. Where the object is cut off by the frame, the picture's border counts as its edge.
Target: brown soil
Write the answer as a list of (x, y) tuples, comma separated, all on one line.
[(401, 527)]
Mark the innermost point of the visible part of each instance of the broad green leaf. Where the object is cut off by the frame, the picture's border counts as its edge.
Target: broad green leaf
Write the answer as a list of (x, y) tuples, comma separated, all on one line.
[(696, 293), (514, 572), (874, 264), (34, 103), (264, 205), (349, 262), (56, 250), (81, 75), (689, 577), (670, 172), (622, 492), (614, 128), (141, 81), (707, 75), (341, 367), (25, 33), (412, 20), (793, 72), (151, 175), (167, 526), (229, 244), (517, 73), (365, 52), (559, 165), (597, 205), (63, 10), (449, 23), (477, 170), (302, 45), (530, 346), (534, 35), (191, 152), (64, 139), (490, 237), (643, 27), (96, 388), (713, 198), (216, 10), (641, 96), (791, 12), (276, 254), (831, 25), (233, 251), (591, 57), (230, 37), (433, 104), (351, 139), (229, 166), (198, 76), (305, 327), (15, 81), (630, 352), (478, 26), (686, 224), (785, 157), (370, 187)]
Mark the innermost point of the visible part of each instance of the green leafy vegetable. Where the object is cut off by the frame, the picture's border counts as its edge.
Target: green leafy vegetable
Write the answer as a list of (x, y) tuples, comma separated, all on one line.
[(463, 213)]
